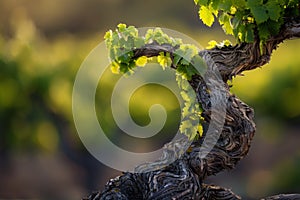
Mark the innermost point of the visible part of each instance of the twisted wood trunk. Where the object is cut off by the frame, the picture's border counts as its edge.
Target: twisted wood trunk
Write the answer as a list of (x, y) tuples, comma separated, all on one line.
[(183, 179)]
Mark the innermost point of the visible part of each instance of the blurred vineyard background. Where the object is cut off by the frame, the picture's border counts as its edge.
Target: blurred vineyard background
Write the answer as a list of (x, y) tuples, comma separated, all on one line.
[(43, 43)]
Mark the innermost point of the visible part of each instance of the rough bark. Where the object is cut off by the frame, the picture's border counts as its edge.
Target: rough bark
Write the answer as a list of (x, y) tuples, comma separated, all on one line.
[(233, 60), (184, 178)]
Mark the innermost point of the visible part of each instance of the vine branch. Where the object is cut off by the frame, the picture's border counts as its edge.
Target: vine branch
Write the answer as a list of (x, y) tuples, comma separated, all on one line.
[(233, 60), (183, 179)]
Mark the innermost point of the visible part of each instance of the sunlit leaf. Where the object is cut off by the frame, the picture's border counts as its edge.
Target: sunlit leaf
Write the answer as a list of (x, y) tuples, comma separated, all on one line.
[(200, 129), (115, 68), (212, 44), (206, 16), (122, 27), (108, 35), (225, 21), (141, 61), (164, 61)]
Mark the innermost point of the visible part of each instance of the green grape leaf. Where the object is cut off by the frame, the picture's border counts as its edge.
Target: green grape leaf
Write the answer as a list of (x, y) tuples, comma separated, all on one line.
[(123, 68), (214, 11), (236, 23), (122, 27), (176, 58), (201, 2), (164, 61), (233, 10), (108, 35), (124, 57), (225, 6), (185, 111), (241, 33), (188, 52), (132, 31), (199, 64), (176, 41), (184, 62), (206, 16), (273, 26), (274, 10), (260, 14), (128, 43), (115, 67), (225, 22), (263, 32), (215, 4), (249, 35), (258, 10), (181, 69), (200, 129), (241, 18), (185, 85), (187, 57), (190, 71), (188, 129), (139, 42), (226, 43), (184, 55), (112, 53), (149, 36), (254, 3), (179, 52), (185, 125), (212, 44), (185, 96), (191, 94), (141, 61), (161, 40), (241, 4)]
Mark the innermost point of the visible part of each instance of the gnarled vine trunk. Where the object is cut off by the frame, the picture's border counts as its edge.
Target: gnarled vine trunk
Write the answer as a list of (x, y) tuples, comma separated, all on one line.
[(183, 179)]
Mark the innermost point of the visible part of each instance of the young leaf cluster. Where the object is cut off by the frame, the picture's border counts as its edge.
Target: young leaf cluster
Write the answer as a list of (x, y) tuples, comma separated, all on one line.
[(248, 19), (121, 44), (191, 112)]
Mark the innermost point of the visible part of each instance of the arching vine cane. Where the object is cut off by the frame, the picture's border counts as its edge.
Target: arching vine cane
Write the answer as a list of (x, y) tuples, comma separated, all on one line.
[(183, 179)]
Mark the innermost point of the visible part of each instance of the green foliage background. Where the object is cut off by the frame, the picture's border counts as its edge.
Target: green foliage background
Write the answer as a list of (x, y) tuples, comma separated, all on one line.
[(41, 48)]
